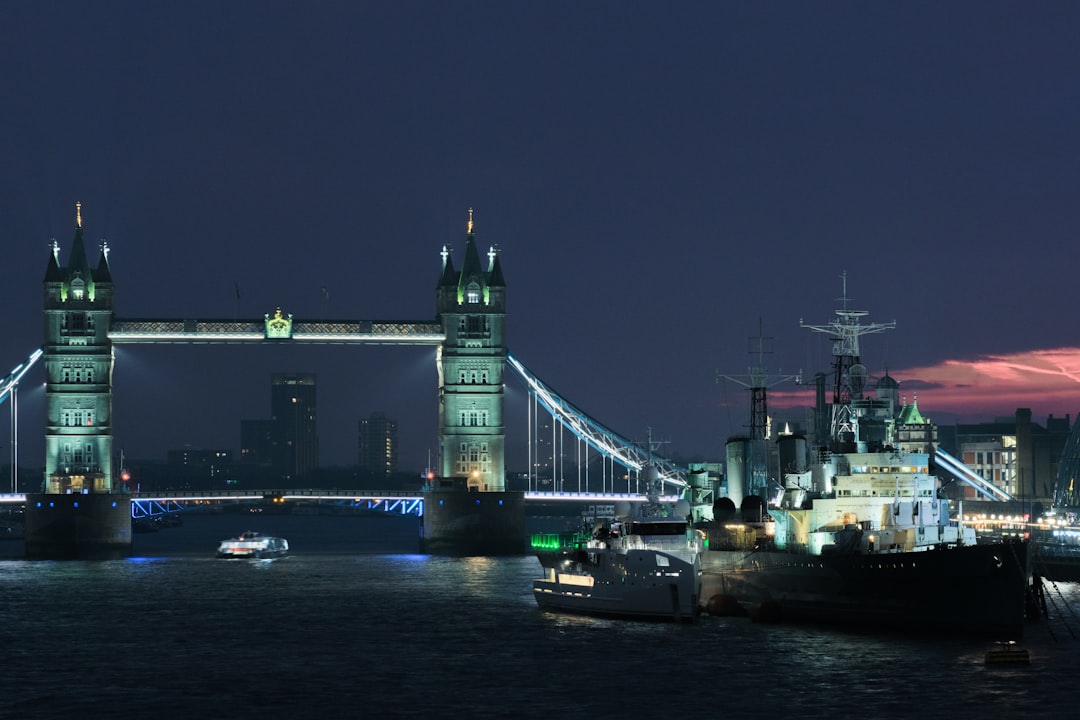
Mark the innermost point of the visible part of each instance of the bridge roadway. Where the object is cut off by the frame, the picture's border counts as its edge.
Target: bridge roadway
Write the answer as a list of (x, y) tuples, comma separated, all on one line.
[(395, 502)]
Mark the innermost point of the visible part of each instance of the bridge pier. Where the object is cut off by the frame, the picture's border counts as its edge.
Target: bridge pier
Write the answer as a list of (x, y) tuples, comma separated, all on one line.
[(459, 522), (77, 526)]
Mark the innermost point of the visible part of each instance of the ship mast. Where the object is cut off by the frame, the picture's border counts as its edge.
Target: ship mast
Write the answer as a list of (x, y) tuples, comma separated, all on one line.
[(759, 412), (849, 375)]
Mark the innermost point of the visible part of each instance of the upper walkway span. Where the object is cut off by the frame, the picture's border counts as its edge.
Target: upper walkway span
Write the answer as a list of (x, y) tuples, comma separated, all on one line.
[(254, 331)]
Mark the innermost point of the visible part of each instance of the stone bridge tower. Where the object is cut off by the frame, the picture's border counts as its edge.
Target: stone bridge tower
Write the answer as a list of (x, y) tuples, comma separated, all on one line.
[(471, 306), (77, 514), (78, 365)]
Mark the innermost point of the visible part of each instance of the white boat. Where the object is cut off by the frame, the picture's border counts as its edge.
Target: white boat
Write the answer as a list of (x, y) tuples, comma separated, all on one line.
[(252, 544), (641, 565)]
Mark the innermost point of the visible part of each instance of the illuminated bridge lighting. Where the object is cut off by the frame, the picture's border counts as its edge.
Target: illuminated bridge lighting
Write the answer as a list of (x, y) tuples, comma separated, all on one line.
[(12, 380), (154, 504), (147, 505), (594, 497), (222, 331), (605, 441)]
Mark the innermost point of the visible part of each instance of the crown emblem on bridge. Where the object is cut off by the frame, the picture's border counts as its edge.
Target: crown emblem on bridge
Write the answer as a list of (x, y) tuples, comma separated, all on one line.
[(278, 326)]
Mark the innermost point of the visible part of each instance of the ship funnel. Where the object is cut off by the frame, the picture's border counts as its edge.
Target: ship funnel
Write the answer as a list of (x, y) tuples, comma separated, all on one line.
[(857, 378)]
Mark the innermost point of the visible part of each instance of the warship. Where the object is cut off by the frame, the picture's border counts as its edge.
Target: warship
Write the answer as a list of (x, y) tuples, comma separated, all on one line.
[(857, 529)]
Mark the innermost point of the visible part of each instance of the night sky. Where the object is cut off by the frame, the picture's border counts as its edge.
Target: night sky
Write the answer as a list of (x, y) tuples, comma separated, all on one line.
[(664, 181)]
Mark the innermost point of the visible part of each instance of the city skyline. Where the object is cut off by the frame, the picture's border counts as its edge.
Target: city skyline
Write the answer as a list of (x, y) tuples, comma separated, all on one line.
[(663, 184)]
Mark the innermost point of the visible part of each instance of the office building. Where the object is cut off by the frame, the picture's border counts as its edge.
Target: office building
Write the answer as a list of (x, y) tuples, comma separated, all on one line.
[(378, 446), (295, 440)]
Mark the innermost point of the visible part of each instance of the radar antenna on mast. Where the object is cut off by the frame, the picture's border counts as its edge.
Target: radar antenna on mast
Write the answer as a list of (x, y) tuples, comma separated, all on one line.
[(849, 375)]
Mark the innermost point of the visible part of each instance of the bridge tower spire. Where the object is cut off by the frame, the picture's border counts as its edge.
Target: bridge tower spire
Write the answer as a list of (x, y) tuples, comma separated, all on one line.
[(471, 305), (78, 365)]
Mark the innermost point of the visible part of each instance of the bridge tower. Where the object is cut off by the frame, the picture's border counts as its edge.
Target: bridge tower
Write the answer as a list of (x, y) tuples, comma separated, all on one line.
[(471, 306), (79, 365), (77, 514)]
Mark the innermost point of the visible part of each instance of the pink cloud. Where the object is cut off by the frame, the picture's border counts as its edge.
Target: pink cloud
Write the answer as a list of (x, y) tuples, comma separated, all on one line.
[(1046, 381)]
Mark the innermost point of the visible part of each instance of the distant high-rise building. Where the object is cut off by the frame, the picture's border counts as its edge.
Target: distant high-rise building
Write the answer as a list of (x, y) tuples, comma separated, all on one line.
[(378, 445), (295, 438), (257, 441)]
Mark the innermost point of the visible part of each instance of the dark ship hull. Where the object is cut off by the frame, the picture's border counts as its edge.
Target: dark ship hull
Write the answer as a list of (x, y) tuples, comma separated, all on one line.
[(975, 589), (641, 584)]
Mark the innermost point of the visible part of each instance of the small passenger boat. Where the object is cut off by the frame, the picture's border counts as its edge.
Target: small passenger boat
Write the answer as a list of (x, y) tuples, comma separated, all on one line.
[(252, 544), (1006, 653)]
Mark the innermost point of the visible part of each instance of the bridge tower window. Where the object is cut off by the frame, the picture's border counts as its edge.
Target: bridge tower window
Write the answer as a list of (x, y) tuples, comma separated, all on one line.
[(473, 324), (463, 459)]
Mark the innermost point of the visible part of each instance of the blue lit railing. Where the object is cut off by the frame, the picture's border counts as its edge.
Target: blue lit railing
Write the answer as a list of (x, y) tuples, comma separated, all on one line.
[(393, 503)]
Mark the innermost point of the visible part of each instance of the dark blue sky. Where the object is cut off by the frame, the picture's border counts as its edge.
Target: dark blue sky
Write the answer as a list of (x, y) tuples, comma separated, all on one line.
[(660, 179)]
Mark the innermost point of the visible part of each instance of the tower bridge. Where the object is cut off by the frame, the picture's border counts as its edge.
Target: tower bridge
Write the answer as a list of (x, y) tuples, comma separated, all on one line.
[(469, 331)]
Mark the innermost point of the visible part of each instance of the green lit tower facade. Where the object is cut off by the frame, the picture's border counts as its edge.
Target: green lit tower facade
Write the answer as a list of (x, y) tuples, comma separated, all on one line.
[(78, 360), (471, 306)]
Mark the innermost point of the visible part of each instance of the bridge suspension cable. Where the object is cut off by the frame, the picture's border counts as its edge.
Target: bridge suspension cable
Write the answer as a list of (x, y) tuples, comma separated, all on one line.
[(10, 386), (956, 468), (602, 439), (11, 382)]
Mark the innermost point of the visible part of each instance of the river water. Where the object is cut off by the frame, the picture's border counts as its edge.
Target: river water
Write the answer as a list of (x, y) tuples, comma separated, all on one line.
[(356, 623)]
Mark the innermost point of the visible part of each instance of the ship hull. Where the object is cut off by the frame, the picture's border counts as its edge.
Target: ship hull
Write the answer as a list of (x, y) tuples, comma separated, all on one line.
[(251, 554), (634, 586), (977, 589)]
